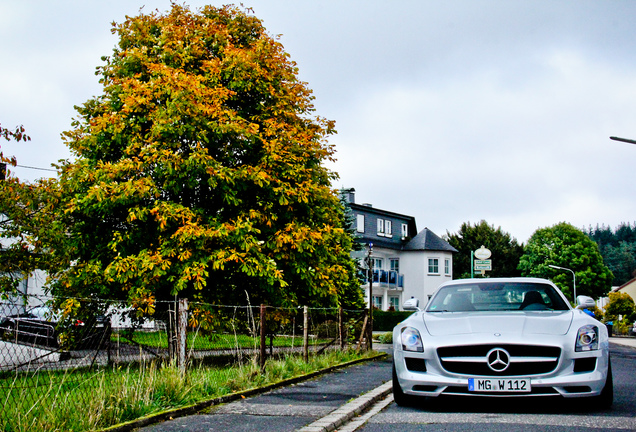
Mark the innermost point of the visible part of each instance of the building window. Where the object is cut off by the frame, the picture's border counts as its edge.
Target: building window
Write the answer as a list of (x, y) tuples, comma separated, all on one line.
[(394, 264), (405, 231), (384, 228), (378, 263), (377, 302), (360, 223), (447, 269), (433, 266), (394, 302), (381, 227)]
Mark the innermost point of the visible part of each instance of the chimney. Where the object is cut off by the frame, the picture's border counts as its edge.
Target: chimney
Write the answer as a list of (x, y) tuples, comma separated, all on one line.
[(350, 195)]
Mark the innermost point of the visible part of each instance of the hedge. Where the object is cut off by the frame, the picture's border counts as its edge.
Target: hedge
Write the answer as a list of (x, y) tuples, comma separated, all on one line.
[(386, 320)]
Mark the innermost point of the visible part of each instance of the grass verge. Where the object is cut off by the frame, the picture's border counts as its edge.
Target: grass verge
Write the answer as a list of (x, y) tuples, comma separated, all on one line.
[(88, 401)]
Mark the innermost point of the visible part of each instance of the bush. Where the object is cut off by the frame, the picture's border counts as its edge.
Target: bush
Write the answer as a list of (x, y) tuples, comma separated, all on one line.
[(386, 338)]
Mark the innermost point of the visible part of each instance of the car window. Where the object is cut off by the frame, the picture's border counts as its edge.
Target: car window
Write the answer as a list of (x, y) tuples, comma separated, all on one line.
[(497, 296), (43, 313)]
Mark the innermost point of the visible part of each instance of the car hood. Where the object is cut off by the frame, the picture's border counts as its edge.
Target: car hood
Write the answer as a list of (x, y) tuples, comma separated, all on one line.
[(522, 323)]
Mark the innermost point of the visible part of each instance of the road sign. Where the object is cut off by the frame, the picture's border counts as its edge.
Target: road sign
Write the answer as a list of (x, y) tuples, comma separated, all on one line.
[(482, 253), (483, 264)]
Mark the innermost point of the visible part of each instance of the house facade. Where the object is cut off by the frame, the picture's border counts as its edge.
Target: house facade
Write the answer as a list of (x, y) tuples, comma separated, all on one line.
[(406, 263), (30, 293), (629, 288)]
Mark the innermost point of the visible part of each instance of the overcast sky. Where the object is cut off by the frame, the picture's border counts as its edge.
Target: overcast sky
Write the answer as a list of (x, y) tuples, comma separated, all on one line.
[(448, 111)]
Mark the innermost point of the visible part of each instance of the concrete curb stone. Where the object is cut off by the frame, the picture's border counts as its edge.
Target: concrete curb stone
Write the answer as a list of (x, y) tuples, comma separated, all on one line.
[(342, 415)]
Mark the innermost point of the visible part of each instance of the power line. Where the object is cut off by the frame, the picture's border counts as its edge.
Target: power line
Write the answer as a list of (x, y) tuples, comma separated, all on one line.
[(36, 168)]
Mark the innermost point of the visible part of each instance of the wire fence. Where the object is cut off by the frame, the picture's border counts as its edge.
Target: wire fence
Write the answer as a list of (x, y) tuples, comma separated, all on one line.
[(44, 351)]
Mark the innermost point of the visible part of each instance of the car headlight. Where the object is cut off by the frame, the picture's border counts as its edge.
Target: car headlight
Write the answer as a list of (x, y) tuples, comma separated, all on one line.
[(411, 340), (587, 338)]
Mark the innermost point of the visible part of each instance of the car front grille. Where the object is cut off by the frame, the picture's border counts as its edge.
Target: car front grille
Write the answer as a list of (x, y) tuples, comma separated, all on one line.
[(499, 360)]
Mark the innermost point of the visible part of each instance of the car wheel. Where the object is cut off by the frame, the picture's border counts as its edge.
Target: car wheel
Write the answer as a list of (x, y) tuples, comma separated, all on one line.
[(7, 332), (398, 395)]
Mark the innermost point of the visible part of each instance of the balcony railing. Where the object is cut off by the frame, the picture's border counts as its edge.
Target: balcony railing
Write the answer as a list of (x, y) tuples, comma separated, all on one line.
[(388, 278)]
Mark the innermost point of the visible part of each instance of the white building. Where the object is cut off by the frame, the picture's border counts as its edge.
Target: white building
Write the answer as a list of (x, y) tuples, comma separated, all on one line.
[(406, 263)]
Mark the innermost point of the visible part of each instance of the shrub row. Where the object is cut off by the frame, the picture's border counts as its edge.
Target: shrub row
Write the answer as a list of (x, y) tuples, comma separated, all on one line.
[(386, 320)]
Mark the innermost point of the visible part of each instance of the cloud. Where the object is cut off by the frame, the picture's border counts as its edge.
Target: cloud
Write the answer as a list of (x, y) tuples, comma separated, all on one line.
[(448, 111)]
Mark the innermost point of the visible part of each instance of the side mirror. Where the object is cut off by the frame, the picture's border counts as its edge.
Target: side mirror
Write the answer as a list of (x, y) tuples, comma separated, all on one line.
[(585, 302), (411, 304)]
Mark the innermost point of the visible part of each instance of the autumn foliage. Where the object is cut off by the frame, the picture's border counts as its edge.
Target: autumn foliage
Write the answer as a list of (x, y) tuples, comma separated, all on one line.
[(199, 172)]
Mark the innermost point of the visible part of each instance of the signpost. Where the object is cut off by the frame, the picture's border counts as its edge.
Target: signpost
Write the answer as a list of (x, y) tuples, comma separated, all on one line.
[(482, 263)]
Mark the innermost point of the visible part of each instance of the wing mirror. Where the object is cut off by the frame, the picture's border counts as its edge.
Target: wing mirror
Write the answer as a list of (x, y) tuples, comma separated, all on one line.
[(585, 302), (412, 304)]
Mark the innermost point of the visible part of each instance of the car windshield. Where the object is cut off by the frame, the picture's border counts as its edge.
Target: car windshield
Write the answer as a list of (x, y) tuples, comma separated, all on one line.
[(497, 296)]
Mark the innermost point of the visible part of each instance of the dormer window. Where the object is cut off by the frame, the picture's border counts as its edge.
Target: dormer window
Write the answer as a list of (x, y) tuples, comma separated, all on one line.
[(360, 223), (384, 228)]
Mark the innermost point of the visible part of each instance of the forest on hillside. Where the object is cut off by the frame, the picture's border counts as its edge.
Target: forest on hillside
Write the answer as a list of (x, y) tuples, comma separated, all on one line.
[(618, 248)]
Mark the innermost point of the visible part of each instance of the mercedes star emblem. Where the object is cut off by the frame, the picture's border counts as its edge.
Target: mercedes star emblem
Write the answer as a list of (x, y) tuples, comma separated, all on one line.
[(498, 359)]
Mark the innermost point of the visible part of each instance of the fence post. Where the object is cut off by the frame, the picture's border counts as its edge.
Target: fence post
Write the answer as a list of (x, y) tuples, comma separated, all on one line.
[(305, 334), (364, 331), (263, 347), (182, 332), (341, 327)]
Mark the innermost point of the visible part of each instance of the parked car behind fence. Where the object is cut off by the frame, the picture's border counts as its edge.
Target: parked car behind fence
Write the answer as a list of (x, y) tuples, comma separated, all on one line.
[(43, 326)]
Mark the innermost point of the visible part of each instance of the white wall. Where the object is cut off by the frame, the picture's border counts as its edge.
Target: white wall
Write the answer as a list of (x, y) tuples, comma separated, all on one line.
[(414, 266)]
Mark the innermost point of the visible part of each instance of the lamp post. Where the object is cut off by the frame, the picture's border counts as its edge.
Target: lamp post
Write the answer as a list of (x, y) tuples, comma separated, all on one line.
[(370, 316), (629, 141), (571, 271)]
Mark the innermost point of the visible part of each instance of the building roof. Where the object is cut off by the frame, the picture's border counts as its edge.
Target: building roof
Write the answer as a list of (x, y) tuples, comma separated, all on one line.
[(428, 240), (425, 240), (625, 285)]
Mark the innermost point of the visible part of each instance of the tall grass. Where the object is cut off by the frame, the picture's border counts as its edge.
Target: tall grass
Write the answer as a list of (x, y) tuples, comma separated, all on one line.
[(86, 401)]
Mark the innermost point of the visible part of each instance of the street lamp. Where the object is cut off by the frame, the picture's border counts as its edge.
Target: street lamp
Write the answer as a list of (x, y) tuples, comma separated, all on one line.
[(370, 315), (571, 271), (623, 140)]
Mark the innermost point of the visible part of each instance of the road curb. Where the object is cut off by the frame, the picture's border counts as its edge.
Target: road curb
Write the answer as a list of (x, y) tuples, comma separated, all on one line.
[(345, 413), (195, 408)]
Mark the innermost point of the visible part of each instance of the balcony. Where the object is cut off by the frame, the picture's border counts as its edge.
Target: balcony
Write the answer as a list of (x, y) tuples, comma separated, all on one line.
[(388, 278)]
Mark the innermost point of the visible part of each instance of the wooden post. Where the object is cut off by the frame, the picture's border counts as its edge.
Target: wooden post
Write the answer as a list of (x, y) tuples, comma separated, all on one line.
[(263, 341), (182, 332), (306, 334), (364, 331)]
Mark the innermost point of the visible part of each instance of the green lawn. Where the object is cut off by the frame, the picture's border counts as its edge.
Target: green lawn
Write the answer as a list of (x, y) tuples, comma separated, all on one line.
[(156, 339)]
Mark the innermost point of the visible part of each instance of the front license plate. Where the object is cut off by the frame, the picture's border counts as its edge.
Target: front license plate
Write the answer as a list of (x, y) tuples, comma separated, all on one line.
[(499, 385)]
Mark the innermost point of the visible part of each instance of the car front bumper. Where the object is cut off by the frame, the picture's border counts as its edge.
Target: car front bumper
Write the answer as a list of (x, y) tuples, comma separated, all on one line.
[(422, 374)]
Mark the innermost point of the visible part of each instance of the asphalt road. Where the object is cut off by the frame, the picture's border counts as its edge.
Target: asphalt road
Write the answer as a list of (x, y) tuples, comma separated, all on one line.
[(291, 408), (463, 414)]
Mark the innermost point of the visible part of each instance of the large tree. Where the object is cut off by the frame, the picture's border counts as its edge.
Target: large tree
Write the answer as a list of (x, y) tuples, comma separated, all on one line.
[(565, 246), (505, 249), (200, 171)]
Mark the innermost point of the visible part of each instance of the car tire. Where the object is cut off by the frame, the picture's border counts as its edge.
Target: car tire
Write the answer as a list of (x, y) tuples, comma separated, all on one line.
[(605, 400), (399, 397), (7, 333)]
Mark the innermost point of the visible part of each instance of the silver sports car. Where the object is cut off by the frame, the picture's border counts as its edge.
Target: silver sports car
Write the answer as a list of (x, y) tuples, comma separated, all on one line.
[(496, 337)]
